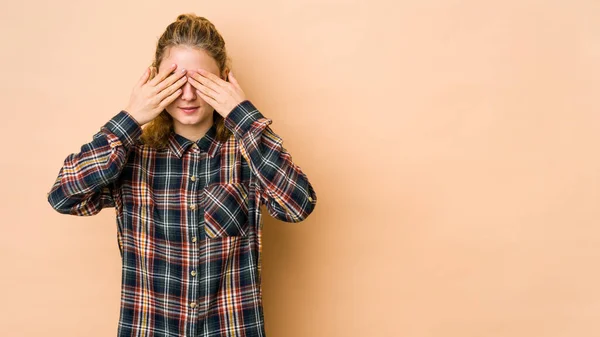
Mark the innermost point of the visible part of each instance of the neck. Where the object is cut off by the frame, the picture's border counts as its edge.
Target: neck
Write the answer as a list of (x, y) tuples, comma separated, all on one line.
[(193, 132)]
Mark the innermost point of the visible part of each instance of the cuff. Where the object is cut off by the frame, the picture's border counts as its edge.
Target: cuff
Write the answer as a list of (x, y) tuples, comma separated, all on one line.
[(241, 118), (122, 129)]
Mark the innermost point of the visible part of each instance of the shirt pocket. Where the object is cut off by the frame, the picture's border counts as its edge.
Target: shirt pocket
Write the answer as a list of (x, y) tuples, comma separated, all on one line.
[(225, 210)]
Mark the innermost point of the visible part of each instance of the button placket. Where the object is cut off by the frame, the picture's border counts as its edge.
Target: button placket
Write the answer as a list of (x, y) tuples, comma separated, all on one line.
[(193, 186), (194, 179)]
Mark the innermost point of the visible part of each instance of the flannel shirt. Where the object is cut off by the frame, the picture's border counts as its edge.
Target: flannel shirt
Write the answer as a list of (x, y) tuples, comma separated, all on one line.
[(188, 220)]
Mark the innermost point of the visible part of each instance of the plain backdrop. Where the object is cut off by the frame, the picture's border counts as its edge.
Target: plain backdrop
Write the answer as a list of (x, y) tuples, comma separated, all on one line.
[(453, 146)]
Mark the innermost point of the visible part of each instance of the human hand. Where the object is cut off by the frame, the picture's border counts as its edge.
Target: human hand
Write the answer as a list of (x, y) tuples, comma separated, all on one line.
[(150, 97), (223, 96)]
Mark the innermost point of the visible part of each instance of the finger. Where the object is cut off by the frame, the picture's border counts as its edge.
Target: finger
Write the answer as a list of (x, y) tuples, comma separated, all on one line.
[(161, 76), (233, 80), (169, 99), (172, 88), (144, 77), (209, 79), (175, 76), (211, 101), (202, 87), (207, 92)]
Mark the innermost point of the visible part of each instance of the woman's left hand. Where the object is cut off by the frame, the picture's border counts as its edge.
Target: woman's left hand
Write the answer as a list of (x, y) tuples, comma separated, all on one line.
[(223, 96)]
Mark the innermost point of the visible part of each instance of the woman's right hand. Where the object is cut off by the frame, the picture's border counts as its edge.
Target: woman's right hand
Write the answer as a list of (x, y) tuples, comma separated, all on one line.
[(150, 97)]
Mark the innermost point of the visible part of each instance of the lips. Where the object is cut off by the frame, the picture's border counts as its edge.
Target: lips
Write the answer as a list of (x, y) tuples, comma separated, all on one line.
[(189, 109)]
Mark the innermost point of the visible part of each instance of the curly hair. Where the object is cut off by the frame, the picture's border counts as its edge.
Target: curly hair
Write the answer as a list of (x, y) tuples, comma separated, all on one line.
[(198, 32)]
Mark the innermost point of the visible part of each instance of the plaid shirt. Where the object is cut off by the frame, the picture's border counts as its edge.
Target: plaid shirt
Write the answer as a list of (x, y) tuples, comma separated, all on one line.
[(188, 220)]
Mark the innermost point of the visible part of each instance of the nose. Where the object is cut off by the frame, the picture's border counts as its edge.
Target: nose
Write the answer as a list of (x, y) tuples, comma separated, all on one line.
[(188, 92)]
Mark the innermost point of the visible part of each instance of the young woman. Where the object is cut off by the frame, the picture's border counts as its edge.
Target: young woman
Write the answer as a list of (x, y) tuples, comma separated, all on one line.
[(187, 190)]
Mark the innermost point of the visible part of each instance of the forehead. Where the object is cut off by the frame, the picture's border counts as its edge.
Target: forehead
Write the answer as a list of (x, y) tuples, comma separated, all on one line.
[(189, 58)]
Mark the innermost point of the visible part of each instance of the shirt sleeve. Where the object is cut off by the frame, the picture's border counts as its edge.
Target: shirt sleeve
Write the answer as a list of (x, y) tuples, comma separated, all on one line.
[(84, 184), (284, 188)]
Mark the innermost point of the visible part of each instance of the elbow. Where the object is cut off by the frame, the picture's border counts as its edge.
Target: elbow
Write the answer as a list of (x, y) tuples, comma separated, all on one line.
[(58, 207), (286, 213), (310, 204), (294, 206), (72, 206)]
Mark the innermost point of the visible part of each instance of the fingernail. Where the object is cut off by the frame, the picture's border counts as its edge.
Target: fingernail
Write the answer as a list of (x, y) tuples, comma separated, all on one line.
[(183, 70)]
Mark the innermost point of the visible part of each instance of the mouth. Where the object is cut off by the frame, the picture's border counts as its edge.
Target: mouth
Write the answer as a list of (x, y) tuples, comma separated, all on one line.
[(188, 110)]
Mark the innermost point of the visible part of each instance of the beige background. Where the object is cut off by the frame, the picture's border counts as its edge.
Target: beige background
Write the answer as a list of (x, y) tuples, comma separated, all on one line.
[(452, 145)]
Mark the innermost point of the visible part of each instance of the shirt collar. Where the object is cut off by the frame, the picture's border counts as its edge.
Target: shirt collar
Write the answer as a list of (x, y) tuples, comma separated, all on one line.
[(207, 143)]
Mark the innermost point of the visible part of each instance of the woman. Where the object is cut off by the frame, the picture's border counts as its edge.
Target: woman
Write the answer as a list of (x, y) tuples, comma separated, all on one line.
[(187, 190)]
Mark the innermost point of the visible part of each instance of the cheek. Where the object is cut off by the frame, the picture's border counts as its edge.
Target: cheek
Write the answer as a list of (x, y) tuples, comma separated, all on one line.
[(172, 106)]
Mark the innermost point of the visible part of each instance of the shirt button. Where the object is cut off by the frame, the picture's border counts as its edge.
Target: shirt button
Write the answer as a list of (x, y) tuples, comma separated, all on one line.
[(195, 146), (193, 273), (310, 198), (193, 304), (194, 239), (193, 178), (192, 207)]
